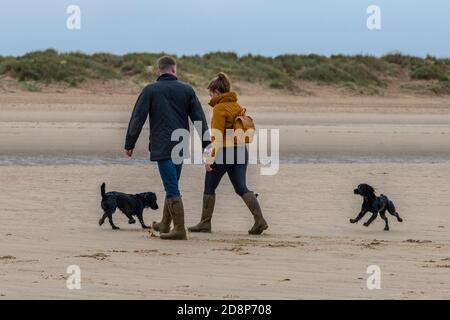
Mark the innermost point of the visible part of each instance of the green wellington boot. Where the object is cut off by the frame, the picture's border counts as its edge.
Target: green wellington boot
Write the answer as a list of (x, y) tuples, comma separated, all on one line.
[(164, 225), (208, 208), (253, 205), (175, 206)]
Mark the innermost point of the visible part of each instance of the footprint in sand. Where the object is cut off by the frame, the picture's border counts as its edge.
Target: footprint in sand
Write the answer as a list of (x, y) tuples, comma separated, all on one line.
[(418, 241), (7, 258), (48, 276), (169, 254), (98, 256), (281, 245), (442, 266), (372, 244), (145, 251), (237, 249)]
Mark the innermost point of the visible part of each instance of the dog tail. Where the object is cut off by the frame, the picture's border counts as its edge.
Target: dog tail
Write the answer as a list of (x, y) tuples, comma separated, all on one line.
[(102, 190)]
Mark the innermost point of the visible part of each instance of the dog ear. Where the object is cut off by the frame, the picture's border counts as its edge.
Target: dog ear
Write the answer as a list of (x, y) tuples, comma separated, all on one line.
[(371, 189)]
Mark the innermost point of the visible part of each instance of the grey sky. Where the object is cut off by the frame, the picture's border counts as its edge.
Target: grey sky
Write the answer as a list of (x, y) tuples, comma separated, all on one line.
[(268, 27)]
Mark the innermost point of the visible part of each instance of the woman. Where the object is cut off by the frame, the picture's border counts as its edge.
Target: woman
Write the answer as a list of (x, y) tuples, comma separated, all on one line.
[(226, 157)]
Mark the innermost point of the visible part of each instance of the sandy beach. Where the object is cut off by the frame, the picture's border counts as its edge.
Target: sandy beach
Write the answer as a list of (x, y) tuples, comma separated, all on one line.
[(56, 150)]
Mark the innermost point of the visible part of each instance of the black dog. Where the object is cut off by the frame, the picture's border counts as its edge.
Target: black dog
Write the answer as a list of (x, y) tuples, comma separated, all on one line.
[(374, 204), (130, 204)]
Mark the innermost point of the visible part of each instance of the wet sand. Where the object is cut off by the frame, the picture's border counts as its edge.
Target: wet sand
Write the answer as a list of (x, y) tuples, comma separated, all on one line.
[(315, 136)]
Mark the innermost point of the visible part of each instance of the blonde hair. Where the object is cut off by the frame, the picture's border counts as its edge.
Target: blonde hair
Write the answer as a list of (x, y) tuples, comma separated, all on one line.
[(221, 83)]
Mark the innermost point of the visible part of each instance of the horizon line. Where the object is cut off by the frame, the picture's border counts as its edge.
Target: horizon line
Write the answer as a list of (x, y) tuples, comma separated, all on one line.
[(239, 55)]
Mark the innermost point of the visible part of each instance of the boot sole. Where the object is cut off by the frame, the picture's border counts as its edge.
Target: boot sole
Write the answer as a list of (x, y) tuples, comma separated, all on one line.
[(169, 236), (173, 238), (200, 231)]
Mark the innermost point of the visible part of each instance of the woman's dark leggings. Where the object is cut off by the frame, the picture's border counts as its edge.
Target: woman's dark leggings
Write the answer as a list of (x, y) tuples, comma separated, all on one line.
[(234, 162)]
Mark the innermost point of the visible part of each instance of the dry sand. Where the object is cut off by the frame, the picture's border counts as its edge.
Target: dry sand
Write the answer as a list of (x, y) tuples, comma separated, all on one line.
[(50, 219), (50, 212)]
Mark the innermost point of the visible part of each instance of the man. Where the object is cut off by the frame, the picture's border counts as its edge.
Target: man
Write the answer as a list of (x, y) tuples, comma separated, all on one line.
[(169, 104)]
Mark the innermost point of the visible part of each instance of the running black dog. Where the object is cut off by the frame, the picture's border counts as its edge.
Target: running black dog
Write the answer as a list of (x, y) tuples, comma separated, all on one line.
[(130, 204), (374, 204)]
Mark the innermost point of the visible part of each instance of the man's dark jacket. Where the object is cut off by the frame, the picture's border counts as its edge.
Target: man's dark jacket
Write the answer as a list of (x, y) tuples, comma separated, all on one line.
[(169, 104)]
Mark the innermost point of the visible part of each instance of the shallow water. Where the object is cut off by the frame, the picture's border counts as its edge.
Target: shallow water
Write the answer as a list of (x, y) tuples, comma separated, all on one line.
[(41, 160)]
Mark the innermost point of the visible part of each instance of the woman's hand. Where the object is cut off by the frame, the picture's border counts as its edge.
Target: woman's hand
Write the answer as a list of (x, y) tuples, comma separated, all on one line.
[(208, 167)]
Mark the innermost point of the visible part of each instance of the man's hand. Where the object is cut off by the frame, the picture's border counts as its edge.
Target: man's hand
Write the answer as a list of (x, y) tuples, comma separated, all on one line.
[(129, 153), (208, 167)]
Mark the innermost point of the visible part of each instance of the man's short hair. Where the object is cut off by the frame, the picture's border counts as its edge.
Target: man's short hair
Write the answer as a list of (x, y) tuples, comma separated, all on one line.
[(166, 62)]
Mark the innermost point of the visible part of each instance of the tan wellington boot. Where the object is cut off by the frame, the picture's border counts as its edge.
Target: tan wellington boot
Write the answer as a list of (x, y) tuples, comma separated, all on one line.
[(208, 208), (164, 225), (253, 205), (176, 210)]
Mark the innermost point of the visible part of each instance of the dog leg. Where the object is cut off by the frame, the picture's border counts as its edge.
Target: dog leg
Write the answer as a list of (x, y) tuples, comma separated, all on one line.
[(383, 216), (113, 226), (373, 217), (130, 219), (393, 211), (141, 220), (360, 215), (395, 214), (102, 219), (109, 206)]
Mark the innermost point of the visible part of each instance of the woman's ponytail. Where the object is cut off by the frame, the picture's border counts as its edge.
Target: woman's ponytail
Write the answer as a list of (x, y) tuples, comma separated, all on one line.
[(221, 83)]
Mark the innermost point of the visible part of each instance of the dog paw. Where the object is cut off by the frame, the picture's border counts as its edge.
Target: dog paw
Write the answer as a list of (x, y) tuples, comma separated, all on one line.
[(146, 227), (400, 220), (131, 221), (115, 228), (366, 224), (353, 221), (101, 222), (386, 229)]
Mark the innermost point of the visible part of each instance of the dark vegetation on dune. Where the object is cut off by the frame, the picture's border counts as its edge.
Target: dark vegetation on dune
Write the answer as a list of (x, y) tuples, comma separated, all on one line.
[(360, 73)]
